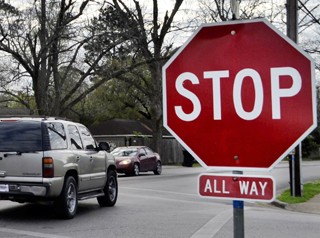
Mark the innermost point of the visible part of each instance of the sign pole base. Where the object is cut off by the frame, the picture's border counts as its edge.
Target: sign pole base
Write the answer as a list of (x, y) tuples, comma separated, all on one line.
[(238, 216), (238, 219)]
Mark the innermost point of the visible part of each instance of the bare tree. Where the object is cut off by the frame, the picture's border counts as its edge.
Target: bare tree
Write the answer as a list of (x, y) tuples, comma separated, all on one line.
[(309, 29), (220, 10), (145, 45), (46, 45), (275, 12)]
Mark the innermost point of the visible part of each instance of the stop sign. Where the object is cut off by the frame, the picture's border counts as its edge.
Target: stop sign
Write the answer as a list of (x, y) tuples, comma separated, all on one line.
[(239, 95)]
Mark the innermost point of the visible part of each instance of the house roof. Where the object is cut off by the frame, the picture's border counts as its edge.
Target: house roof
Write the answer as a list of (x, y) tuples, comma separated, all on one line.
[(123, 127)]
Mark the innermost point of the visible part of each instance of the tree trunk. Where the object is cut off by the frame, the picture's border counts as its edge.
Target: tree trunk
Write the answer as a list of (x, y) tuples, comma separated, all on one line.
[(156, 106), (157, 136), (41, 84)]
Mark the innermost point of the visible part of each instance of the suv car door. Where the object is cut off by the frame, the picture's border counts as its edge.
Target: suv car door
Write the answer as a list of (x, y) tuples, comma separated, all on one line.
[(97, 158), (82, 158)]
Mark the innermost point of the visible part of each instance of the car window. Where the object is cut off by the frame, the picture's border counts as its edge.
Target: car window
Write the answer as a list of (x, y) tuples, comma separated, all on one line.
[(149, 151), (143, 151), (131, 152), (57, 135), (88, 141), (117, 152), (124, 152), (20, 136), (75, 140)]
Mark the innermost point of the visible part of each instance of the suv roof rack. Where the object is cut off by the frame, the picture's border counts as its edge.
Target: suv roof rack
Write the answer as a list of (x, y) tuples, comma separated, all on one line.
[(56, 118), (36, 116)]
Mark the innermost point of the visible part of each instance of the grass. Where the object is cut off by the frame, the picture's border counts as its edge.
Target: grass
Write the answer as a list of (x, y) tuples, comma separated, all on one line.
[(195, 164), (309, 191)]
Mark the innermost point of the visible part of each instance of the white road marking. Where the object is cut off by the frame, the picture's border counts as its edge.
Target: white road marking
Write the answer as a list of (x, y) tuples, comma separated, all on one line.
[(212, 227), (30, 233), (161, 191)]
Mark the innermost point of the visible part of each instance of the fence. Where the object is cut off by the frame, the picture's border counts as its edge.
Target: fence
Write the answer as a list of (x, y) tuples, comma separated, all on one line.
[(172, 151)]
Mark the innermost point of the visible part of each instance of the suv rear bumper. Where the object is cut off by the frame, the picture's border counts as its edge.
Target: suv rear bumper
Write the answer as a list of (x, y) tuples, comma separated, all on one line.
[(24, 189), (50, 188)]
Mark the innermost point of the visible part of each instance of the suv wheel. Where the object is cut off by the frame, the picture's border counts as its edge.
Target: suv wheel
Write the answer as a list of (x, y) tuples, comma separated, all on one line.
[(67, 202), (110, 191)]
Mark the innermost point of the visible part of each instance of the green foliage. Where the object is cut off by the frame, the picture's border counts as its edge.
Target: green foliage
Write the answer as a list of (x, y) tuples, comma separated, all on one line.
[(17, 99), (309, 144), (137, 133), (309, 191), (116, 99), (114, 32)]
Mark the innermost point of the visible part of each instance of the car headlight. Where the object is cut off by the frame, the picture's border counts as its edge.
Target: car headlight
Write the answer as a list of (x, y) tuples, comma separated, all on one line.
[(126, 161)]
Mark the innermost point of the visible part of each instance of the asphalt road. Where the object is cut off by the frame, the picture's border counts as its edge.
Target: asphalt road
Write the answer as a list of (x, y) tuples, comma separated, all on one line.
[(163, 206)]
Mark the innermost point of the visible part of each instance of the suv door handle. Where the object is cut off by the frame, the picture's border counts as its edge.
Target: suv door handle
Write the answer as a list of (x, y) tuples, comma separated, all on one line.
[(77, 158), (91, 159)]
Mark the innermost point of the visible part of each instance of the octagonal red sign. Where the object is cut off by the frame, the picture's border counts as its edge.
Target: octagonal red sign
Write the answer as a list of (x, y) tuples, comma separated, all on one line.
[(239, 95)]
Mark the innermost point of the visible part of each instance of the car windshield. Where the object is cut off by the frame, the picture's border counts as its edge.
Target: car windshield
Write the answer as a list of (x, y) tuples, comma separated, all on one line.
[(124, 152), (20, 136)]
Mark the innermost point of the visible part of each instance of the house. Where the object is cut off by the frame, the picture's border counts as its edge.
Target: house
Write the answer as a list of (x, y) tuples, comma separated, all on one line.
[(122, 132)]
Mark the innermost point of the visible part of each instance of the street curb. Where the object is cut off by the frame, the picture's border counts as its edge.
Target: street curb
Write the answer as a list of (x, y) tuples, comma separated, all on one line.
[(280, 204)]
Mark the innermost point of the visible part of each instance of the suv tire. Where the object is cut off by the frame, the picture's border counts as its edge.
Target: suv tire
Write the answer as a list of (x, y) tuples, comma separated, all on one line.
[(67, 202), (110, 191)]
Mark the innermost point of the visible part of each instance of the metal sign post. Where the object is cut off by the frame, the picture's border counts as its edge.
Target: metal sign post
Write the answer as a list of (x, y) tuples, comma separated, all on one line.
[(293, 176), (238, 219), (238, 188), (238, 216)]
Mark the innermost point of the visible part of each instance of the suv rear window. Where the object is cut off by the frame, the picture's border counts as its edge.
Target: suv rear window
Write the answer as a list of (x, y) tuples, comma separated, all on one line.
[(20, 136)]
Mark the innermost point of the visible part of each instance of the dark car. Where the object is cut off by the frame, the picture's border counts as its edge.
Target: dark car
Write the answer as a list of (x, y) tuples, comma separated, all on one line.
[(136, 159)]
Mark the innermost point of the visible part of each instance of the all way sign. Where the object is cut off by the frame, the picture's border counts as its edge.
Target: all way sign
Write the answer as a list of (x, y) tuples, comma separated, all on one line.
[(237, 187)]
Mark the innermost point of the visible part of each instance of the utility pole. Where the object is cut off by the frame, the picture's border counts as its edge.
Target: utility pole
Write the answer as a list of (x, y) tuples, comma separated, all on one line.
[(295, 165), (238, 205), (292, 20)]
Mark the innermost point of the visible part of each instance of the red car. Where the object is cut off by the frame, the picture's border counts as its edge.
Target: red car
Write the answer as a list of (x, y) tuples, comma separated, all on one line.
[(136, 159)]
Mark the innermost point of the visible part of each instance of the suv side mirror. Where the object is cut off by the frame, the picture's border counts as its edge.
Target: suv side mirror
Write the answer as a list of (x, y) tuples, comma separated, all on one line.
[(104, 146), (142, 154), (90, 147)]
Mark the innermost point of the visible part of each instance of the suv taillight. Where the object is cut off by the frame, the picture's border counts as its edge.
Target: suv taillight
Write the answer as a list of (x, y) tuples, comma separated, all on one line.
[(47, 167)]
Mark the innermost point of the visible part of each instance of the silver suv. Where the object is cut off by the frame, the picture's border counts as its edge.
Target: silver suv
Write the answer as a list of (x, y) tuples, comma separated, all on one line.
[(54, 160)]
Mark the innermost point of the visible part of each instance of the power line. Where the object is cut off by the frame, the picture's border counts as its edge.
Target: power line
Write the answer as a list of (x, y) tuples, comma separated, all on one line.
[(309, 13)]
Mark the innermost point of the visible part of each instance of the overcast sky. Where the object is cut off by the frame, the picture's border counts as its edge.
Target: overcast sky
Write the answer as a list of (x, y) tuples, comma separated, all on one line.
[(309, 34)]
